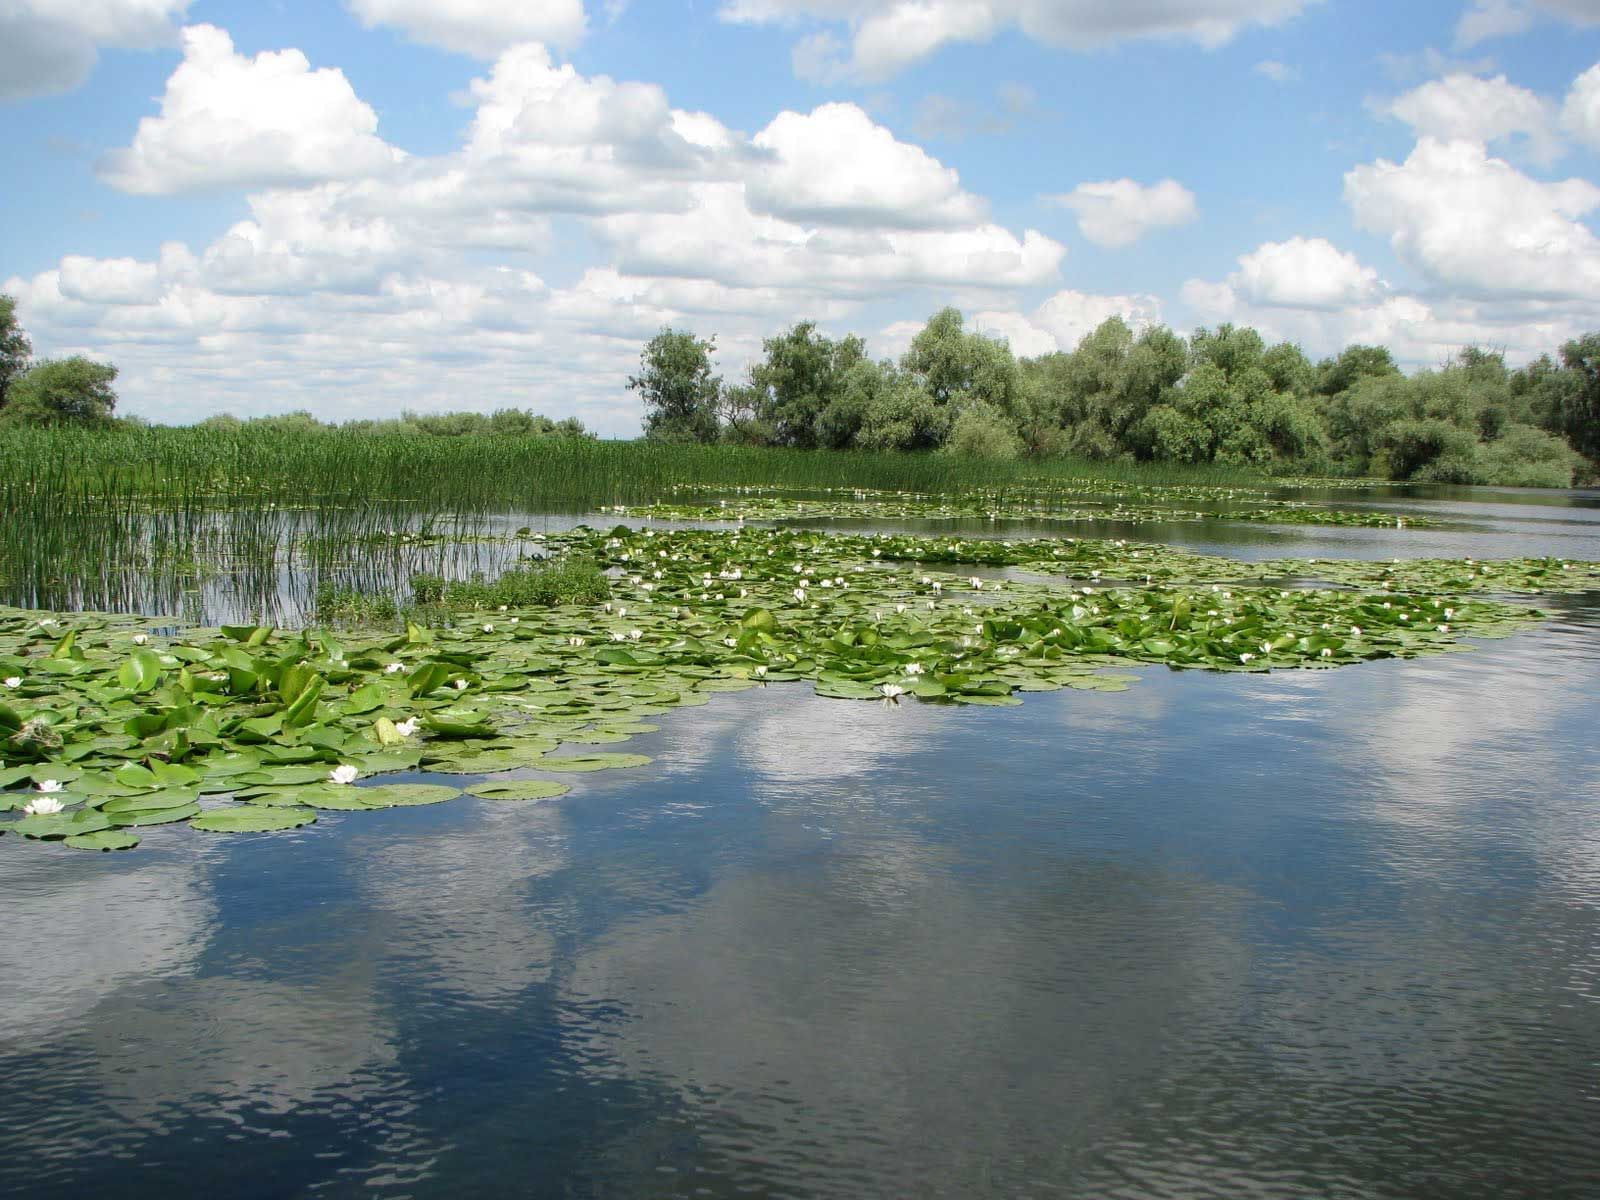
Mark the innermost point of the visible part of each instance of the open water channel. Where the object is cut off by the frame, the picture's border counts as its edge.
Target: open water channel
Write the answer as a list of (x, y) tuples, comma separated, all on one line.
[(1299, 934)]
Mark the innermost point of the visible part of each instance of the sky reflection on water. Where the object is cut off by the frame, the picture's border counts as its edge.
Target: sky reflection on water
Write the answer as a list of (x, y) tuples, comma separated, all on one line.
[(1326, 933)]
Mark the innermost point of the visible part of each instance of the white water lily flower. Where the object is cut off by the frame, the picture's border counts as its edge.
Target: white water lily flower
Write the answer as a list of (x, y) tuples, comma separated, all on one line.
[(618, 636), (1327, 653), (44, 806), (636, 634), (460, 685), (1442, 628), (140, 639), (800, 595), (1266, 647), (891, 693), (976, 583), (1449, 614), (574, 641), (51, 785), (899, 608), (1355, 631), (730, 642), (761, 670), (394, 668), (827, 583), (343, 773), (1244, 658), (408, 727), (503, 607), (914, 669), (488, 628), (13, 681)]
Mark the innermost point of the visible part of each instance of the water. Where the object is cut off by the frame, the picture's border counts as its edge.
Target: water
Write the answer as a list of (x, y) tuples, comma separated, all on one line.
[(1317, 934)]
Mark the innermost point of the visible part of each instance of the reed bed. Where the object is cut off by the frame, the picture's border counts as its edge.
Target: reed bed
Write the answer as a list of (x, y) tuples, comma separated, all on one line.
[(146, 519)]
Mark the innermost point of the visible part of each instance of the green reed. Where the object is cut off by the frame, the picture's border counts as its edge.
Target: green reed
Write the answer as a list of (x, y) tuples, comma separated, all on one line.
[(145, 519)]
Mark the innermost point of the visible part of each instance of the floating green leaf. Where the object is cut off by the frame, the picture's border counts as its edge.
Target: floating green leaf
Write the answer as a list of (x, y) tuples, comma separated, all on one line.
[(103, 839), (593, 762), (253, 820), (519, 789), (389, 795)]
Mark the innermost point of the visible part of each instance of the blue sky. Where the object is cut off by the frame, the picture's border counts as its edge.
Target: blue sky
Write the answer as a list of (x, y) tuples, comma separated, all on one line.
[(363, 206)]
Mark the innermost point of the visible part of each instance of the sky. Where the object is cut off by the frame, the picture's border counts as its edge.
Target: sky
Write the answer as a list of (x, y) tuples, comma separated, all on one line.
[(360, 207)]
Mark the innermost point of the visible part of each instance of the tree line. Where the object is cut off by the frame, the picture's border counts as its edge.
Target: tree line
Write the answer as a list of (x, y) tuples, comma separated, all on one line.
[(77, 392), (1218, 396), (55, 391)]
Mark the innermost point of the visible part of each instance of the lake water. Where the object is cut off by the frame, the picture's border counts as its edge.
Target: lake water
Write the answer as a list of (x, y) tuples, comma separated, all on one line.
[(1314, 934)]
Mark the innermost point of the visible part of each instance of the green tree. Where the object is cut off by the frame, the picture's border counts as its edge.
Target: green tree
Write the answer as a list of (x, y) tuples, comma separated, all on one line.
[(63, 391), (903, 416), (15, 348), (801, 376), (839, 425), (981, 430), (1289, 369), (679, 390), (1576, 410), (1355, 363), (1231, 348), (954, 366)]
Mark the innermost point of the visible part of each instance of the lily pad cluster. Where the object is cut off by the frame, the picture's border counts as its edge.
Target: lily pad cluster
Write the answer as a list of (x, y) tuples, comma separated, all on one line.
[(109, 725), (1057, 504), (1446, 576)]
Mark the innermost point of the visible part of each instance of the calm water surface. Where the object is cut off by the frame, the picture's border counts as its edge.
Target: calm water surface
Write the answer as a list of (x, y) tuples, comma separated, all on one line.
[(1301, 934)]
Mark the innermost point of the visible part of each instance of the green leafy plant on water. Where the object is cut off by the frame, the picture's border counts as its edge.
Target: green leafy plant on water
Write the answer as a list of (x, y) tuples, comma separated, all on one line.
[(109, 727)]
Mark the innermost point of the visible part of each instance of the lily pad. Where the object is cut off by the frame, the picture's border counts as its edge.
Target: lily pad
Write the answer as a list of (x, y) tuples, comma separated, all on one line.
[(62, 825), (519, 789), (104, 839), (253, 819), (155, 816), (407, 795), (593, 762)]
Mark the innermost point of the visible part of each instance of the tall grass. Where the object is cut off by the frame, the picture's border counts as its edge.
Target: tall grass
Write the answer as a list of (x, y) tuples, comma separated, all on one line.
[(141, 518)]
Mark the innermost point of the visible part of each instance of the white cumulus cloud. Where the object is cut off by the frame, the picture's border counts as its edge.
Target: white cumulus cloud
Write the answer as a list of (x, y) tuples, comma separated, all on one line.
[(480, 28), (887, 36), (1118, 212), (836, 165), (228, 120), (1475, 223), (1480, 110), (1304, 273), (1581, 113), (48, 46), (1487, 19), (360, 283)]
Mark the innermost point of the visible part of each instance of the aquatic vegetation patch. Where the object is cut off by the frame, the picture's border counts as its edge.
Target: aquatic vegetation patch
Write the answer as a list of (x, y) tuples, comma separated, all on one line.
[(1448, 576), (530, 583), (1146, 506), (108, 726)]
